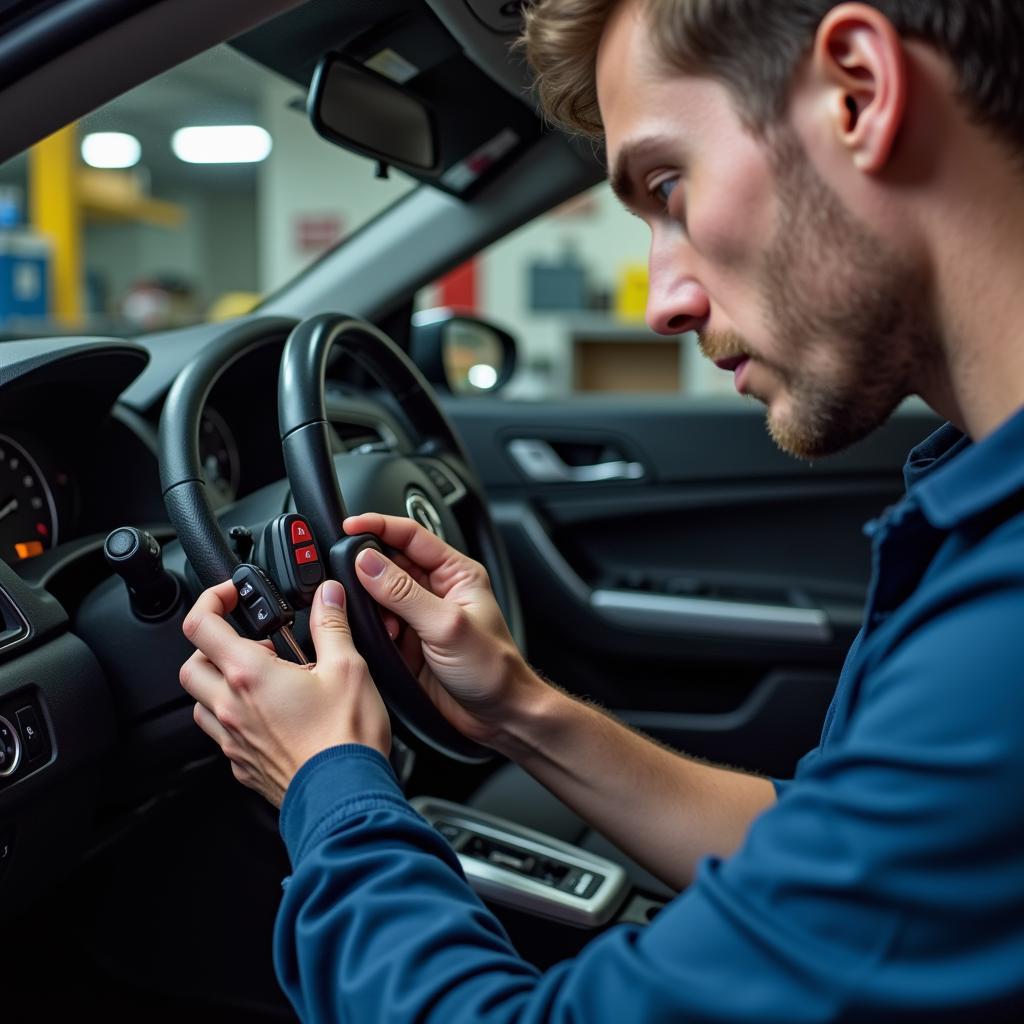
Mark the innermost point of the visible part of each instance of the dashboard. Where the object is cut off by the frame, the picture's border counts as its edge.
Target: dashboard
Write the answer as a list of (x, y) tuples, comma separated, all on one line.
[(80, 676)]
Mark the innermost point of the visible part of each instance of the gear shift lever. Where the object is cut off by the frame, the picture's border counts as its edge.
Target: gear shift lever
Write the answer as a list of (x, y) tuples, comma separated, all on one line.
[(135, 556)]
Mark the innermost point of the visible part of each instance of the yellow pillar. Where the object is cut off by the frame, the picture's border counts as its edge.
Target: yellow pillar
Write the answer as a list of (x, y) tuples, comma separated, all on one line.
[(56, 213)]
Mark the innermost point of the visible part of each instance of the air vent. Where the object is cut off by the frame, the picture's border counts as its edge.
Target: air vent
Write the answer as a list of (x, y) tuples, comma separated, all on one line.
[(13, 625), (354, 436)]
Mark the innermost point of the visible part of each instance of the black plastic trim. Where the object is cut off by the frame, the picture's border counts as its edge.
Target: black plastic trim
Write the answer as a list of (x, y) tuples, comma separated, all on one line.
[(59, 28)]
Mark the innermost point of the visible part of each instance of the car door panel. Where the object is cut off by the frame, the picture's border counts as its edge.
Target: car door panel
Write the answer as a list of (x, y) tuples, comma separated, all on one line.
[(708, 592)]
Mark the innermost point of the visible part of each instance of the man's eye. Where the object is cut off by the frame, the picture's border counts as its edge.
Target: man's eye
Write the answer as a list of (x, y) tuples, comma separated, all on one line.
[(664, 189)]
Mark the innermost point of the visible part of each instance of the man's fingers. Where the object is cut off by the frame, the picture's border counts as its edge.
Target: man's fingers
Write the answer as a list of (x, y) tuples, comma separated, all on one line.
[(207, 721), (202, 679), (220, 600), (328, 624), (420, 545), (208, 629), (392, 623), (397, 591)]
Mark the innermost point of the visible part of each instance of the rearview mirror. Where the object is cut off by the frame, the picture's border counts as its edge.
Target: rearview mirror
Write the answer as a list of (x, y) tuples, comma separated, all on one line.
[(356, 108), (460, 353)]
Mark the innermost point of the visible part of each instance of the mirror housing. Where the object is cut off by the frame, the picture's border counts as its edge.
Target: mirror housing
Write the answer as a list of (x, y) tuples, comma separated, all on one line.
[(363, 111), (461, 353)]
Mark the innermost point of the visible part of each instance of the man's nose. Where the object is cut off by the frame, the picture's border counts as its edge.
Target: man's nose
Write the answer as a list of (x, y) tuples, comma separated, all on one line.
[(676, 301)]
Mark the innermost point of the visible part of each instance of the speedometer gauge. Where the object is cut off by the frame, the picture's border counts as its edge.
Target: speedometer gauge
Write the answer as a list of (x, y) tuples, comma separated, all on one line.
[(28, 516), (218, 453)]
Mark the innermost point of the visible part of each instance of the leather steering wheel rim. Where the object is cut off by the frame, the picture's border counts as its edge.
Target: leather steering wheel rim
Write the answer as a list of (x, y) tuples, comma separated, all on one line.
[(306, 445), (316, 491)]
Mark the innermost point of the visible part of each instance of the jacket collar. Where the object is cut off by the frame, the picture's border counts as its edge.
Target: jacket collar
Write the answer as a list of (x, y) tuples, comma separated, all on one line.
[(954, 480)]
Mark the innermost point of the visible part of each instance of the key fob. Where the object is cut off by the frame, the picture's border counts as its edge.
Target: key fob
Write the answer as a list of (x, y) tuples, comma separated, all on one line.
[(261, 607), (292, 558)]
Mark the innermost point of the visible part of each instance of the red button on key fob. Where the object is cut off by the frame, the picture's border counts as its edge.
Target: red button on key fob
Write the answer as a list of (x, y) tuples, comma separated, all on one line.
[(306, 554), (300, 533)]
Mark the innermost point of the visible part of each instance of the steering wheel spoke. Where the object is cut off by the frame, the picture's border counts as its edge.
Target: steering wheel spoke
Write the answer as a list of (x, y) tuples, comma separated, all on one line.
[(427, 487)]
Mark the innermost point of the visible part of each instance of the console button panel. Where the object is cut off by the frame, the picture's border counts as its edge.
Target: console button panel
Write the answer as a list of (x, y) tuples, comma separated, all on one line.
[(25, 743), (528, 870)]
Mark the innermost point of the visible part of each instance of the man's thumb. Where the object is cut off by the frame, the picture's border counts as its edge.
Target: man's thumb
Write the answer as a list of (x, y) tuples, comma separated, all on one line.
[(394, 589), (328, 622)]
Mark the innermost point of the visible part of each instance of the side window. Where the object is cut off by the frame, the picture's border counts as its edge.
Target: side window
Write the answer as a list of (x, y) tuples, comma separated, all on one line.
[(571, 287)]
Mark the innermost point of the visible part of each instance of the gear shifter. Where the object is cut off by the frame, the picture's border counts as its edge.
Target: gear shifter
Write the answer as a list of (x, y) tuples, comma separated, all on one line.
[(135, 556)]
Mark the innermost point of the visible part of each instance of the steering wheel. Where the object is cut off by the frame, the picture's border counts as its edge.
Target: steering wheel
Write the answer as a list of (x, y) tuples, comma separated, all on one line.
[(432, 483)]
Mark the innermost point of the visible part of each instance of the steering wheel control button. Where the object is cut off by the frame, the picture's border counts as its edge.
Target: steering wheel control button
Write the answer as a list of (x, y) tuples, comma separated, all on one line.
[(292, 558), (10, 749), (31, 733), (439, 478), (300, 532)]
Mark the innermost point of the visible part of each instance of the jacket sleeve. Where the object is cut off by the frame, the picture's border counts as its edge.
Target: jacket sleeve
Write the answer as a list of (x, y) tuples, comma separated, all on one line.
[(886, 883)]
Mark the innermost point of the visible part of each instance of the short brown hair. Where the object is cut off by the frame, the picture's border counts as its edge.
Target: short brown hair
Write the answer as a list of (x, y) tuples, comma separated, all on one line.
[(754, 47)]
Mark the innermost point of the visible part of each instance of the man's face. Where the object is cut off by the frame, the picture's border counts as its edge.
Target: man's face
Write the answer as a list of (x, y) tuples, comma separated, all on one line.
[(818, 318)]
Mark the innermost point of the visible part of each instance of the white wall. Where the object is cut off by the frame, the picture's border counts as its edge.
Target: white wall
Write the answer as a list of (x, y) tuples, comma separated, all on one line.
[(606, 239), (215, 249), (305, 176)]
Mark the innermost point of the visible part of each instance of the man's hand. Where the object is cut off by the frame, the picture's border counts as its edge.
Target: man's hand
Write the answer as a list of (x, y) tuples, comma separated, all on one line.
[(270, 716), (458, 646)]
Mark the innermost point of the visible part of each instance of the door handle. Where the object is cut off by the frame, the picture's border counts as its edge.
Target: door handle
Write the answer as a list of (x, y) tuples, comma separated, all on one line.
[(542, 464)]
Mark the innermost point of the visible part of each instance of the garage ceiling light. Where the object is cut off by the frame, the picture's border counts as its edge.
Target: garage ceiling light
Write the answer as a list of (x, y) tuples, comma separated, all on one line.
[(111, 149), (222, 144)]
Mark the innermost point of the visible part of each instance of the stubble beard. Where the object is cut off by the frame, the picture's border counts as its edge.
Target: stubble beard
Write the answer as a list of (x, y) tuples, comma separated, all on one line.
[(826, 278)]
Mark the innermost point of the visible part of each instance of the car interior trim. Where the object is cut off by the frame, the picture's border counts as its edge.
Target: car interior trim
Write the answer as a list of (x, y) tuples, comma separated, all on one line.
[(507, 514), (162, 35), (485, 47), (737, 620), (542, 464), (514, 889), (12, 634)]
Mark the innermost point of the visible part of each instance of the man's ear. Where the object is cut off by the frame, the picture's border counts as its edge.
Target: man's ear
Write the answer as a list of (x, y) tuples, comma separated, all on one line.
[(859, 60)]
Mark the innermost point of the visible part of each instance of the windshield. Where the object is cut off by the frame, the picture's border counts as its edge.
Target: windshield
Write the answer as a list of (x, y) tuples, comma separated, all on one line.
[(131, 220)]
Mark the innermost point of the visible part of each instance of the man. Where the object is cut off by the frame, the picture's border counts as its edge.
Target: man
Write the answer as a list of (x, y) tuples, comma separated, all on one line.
[(836, 200)]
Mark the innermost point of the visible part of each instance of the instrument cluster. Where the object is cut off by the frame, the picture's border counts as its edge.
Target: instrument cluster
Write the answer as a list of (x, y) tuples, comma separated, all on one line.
[(35, 500)]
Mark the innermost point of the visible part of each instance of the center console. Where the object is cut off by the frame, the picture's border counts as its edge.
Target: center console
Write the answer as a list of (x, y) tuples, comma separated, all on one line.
[(528, 871)]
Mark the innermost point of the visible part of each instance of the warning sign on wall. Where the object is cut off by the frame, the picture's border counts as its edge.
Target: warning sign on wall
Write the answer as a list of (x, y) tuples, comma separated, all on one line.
[(317, 232)]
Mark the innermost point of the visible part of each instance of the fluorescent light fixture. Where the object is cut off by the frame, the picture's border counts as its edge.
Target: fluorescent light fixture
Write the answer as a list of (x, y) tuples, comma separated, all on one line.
[(111, 149), (222, 144), (482, 376)]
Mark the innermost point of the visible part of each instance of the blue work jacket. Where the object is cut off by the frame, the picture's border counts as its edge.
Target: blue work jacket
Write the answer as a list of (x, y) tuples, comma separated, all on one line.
[(885, 884)]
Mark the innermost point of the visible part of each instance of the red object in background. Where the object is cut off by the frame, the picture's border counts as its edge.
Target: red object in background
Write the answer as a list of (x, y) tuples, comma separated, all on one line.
[(316, 233), (457, 289)]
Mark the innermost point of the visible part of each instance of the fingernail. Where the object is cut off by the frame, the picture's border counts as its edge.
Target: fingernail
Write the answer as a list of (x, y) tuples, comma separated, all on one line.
[(333, 594), (371, 563)]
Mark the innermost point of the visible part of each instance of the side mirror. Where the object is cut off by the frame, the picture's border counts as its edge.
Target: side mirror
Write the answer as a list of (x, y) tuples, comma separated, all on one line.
[(460, 353), (366, 112)]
